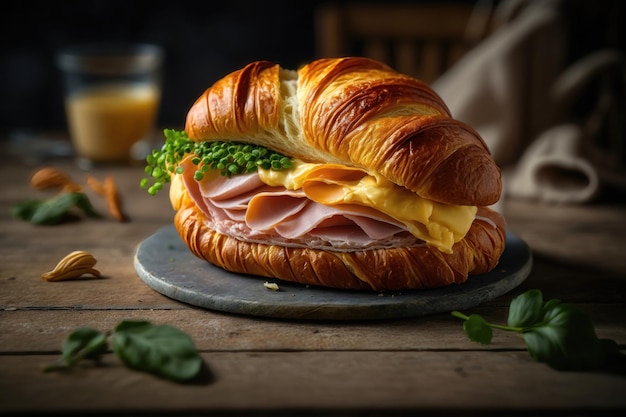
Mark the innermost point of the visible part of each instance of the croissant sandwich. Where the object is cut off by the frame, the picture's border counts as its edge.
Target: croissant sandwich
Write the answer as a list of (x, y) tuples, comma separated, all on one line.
[(343, 174)]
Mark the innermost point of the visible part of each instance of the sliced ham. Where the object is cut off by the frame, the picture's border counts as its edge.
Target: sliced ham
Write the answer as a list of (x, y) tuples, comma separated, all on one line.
[(224, 188), (244, 207), (267, 210), (361, 217)]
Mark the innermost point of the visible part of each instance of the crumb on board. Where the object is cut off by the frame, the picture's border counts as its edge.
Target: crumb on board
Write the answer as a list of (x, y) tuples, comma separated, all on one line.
[(271, 286)]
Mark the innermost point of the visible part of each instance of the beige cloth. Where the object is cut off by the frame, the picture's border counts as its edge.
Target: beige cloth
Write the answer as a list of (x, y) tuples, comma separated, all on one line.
[(514, 90), (553, 169)]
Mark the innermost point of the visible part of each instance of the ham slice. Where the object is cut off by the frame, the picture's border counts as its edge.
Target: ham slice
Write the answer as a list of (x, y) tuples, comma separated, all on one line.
[(244, 207), (268, 210), (314, 214), (221, 187)]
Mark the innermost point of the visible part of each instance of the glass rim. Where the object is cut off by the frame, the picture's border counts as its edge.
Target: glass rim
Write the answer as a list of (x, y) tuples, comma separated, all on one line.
[(108, 58)]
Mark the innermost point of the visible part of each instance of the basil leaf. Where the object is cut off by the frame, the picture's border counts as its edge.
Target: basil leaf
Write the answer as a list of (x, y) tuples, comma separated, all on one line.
[(84, 343), (478, 329), (83, 203), (162, 350), (565, 340), (53, 210), (26, 209), (525, 309), (557, 334)]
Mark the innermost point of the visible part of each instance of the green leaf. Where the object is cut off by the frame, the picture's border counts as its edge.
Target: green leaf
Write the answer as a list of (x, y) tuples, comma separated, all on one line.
[(83, 203), (478, 329), (525, 309), (162, 350), (557, 334), (83, 343), (565, 340), (26, 209), (53, 210)]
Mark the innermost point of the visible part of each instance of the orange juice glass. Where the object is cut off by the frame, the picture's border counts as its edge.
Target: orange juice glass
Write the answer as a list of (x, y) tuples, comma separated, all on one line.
[(112, 97)]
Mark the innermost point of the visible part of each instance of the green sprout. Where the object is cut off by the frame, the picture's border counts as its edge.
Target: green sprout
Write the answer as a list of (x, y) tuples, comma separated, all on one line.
[(229, 158)]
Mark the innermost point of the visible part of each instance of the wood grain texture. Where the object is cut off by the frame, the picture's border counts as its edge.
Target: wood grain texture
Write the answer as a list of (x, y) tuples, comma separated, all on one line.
[(317, 381), (269, 367)]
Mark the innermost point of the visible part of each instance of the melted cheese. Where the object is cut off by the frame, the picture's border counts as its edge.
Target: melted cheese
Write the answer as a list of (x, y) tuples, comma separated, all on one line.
[(177, 191), (437, 224)]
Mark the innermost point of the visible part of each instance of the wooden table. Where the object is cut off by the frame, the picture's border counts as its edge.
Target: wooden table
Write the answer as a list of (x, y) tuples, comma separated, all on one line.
[(288, 367)]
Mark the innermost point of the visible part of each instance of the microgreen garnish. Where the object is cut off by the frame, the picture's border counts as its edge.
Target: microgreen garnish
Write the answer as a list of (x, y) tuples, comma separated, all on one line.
[(558, 334), (161, 350), (229, 158)]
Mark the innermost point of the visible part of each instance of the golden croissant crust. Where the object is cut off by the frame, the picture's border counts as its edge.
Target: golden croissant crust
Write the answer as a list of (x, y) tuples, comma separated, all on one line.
[(357, 112)]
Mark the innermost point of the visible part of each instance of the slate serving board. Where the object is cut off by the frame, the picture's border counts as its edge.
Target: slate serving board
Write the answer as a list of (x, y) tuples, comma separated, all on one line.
[(166, 265)]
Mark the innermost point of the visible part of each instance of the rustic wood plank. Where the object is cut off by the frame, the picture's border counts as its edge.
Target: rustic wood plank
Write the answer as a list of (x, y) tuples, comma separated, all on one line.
[(44, 330), (22, 287), (580, 235), (456, 381)]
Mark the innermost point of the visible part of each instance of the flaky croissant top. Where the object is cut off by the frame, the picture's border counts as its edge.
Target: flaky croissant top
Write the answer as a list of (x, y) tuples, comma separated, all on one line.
[(357, 112)]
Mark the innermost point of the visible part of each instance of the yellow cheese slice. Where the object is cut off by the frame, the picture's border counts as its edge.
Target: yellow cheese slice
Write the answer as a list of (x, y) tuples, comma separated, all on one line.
[(437, 224)]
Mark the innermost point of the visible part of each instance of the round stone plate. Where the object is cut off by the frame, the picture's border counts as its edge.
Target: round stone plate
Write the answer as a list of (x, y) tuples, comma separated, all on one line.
[(166, 265)]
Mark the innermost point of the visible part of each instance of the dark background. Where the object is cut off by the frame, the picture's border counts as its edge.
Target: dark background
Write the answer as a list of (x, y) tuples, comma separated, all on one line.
[(203, 40)]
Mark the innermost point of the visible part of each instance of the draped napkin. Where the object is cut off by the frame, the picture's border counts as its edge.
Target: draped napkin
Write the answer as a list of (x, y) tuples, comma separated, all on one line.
[(516, 90)]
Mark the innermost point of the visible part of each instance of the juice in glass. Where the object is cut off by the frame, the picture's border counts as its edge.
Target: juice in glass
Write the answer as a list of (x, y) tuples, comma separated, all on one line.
[(105, 121)]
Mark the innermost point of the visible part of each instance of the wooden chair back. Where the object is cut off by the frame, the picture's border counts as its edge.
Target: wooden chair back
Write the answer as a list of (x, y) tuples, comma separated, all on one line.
[(422, 40)]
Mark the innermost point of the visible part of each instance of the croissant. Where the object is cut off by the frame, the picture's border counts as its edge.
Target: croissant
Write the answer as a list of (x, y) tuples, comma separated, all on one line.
[(385, 190)]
